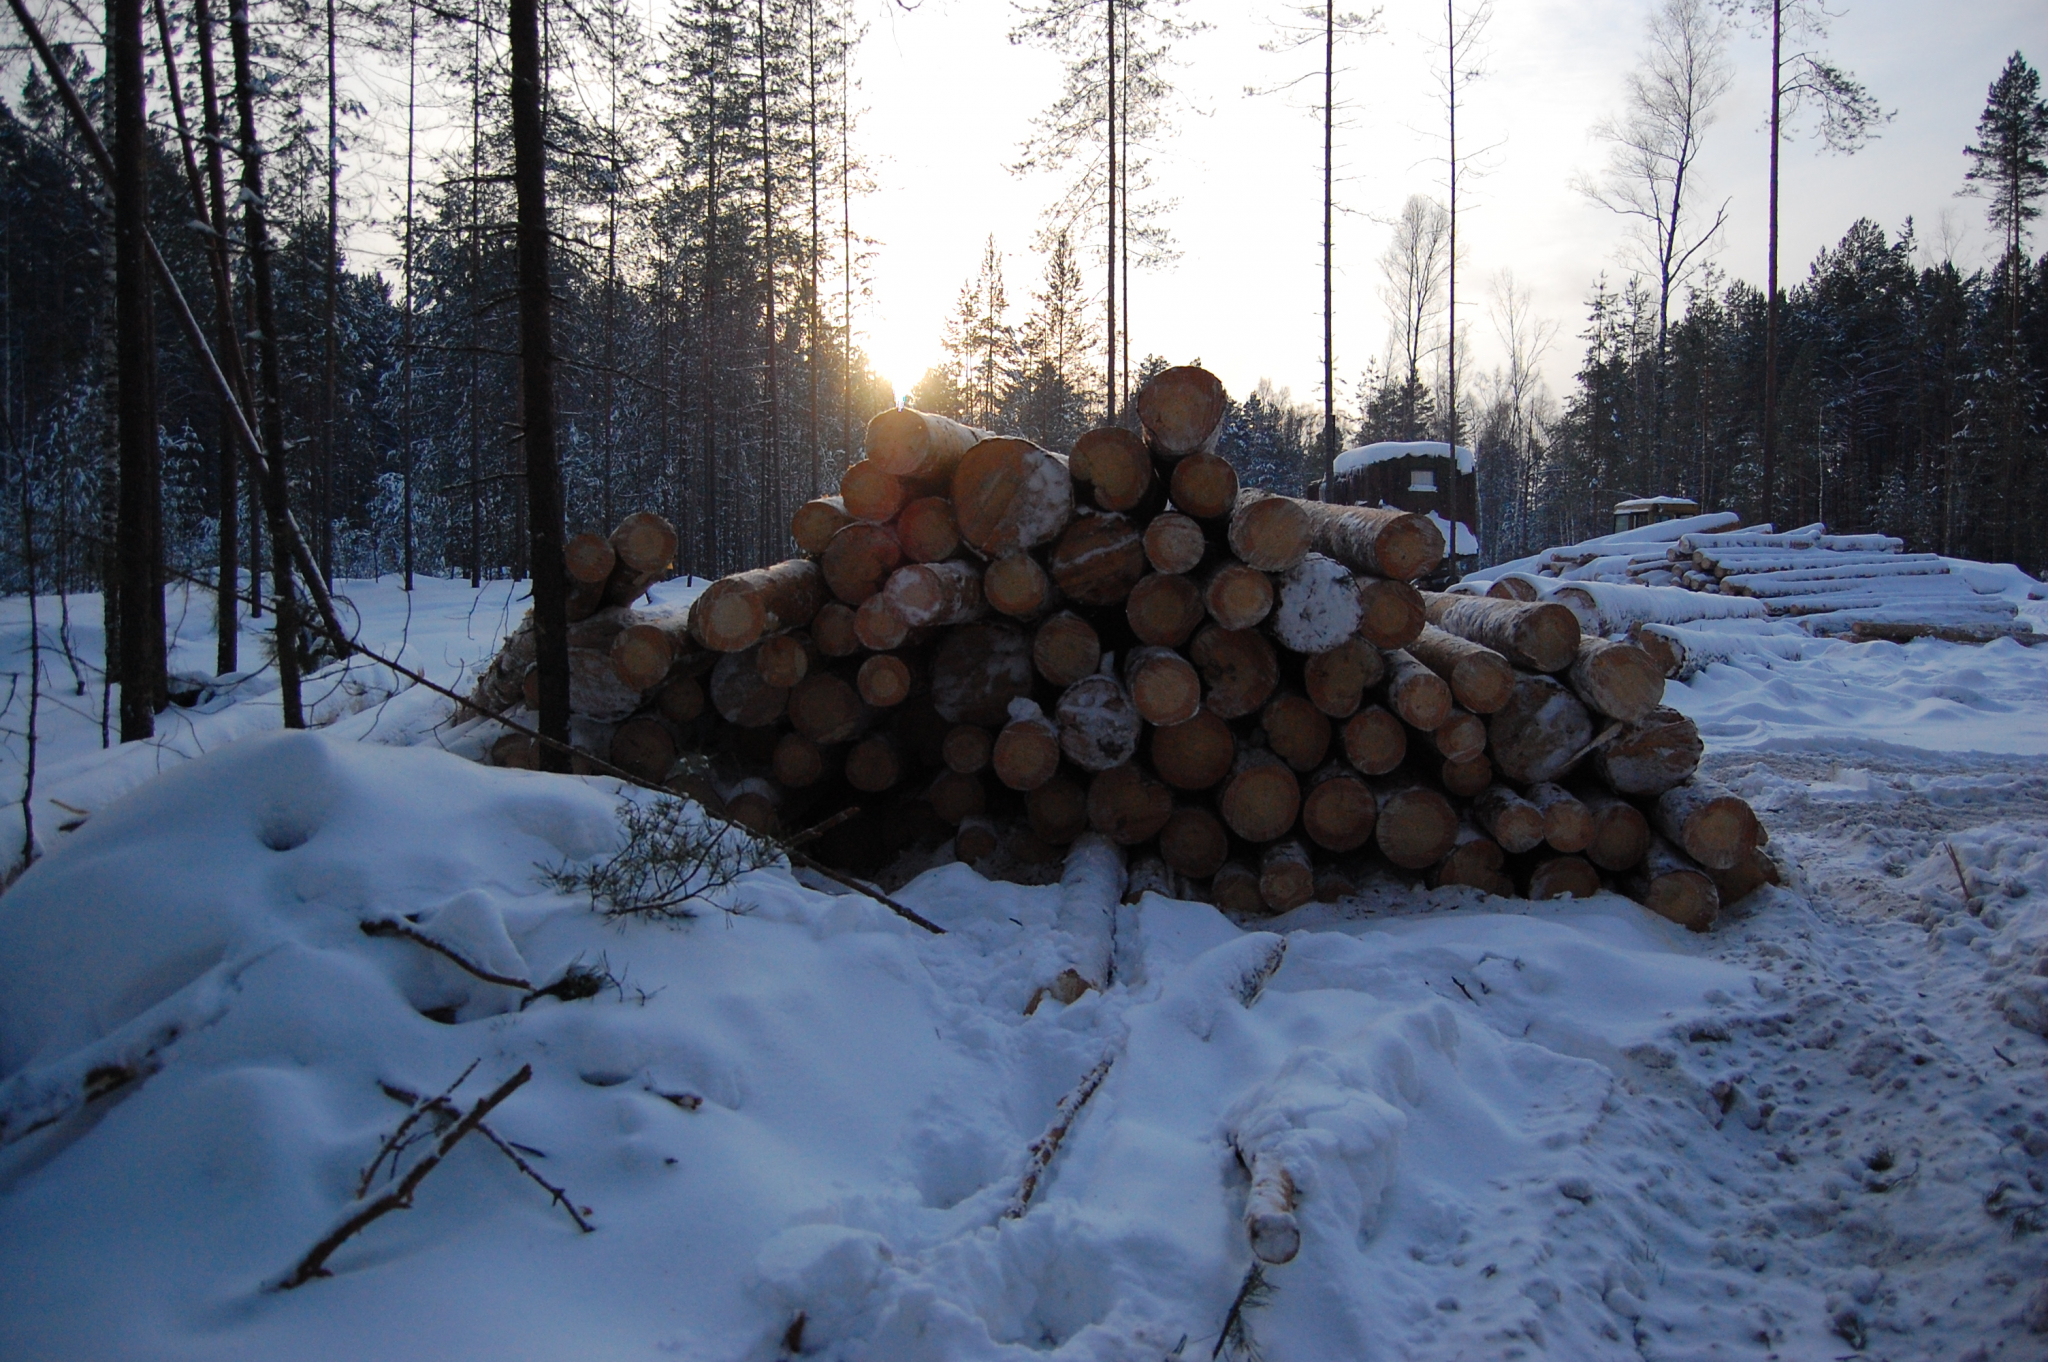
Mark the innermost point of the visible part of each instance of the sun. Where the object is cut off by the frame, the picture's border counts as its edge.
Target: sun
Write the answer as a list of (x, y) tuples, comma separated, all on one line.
[(899, 352)]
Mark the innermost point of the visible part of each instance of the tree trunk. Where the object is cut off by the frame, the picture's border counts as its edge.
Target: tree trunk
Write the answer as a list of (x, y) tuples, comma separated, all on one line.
[(1621, 835), (1236, 596), (742, 696), (1181, 411), (1204, 486), (816, 521), (1163, 685), (832, 629), (918, 444), (876, 763), (1398, 545), (1339, 812), (967, 748), (1098, 560), (1391, 612), (1460, 737), (1174, 542), (978, 669), (798, 762), (1653, 754), (1260, 799), (1196, 754), (957, 796), (738, 611), (1318, 606), (1296, 731), (1009, 494), (1098, 723), (1375, 741), (1551, 876), (886, 680), (859, 559), (1708, 822), (1239, 670), (1480, 679), (927, 530), (1619, 680), (589, 559), (1538, 733), (1115, 465), (1016, 585), (1057, 811), (1164, 608), (1567, 823), (935, 595), (1466, 779), (1027, 751), (1512, 821), (138, 546), (1337, 678), (1673, 887), (1415, 692), (645, 747), (1065, 648), (1417, 825), (826, 708), (1473, 861), (1539, 636), (1235, 890), (1268, 532), (878, 627), (1128, 804), (1287, 877), (1194, 842)]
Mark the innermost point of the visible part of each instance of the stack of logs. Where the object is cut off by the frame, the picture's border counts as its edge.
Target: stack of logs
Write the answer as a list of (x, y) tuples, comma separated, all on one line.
[(989, 642)]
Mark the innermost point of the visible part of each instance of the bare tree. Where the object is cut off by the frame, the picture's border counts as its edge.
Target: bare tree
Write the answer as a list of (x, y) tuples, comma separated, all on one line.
[(1520, 397), (1412, 271), (1462, 35), (138, 539)]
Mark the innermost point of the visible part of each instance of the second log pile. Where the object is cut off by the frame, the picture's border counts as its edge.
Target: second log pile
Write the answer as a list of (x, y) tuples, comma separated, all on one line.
[(990, 642)]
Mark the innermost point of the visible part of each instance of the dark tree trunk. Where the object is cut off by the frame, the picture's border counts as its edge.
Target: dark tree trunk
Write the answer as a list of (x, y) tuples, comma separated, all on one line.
[(140, 669)]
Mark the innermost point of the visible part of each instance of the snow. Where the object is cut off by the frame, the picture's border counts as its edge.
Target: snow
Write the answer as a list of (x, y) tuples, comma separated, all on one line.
[(1351, 460), (1468, 543), (1516, 1130)]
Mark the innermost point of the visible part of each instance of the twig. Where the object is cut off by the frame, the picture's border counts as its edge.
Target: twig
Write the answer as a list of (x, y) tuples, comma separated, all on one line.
[(1250, 1296), (398, 926), (399, 1198), (817, 830), (396, 1141), (1047, 1146), (1969, 899), (445, 1111)]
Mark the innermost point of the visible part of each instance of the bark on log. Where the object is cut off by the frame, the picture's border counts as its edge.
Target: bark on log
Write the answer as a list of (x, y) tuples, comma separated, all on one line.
[(956, 796), (877, 625), (1537, 733), (1460, 737), (1057, 811), (1657, 752), (826, 709), (887, 680), (1009, 494), (1015, 585), (859, 559), (798, 762), (978, 669), (1181, 411), (832, 630), (927, 530), (1333, 884), (1511, 820), (1339, 812), (1164, 609), (1296, 731), (1480, 679), (1619, 680), (783, 660), (1196, 754), (644, 746), (1467, 778), (1098, 559), (1027, 751), (815, 522), (644, 543), (917, 444), (738, 611), (1374, 741), (1415, 692), (1098, 723), (589, 559), (1174, 542), (738, 692), (1399, 545), (1194, 842), (1391, 613), (1262, 796), (1239, 670), (681, 700), (1708, 822), (1336, 679), (1203, 486), (935, 595), (1128, 804), (1540, 636), (1236, 596), (515, 751), (876, 763), (1318, 605), (1235, 890), (1163, 685), (976, 840), (1550, 876), (1065, 648), (1270, 533), (873, 495), (1621, 834), (1474, 861), (756, 804), (1511, 589), (967, 748), (1115, 465), (1673, 888), (1567, 823), (1287, 878), (1417, 825), (1756, 870), (625, 586)]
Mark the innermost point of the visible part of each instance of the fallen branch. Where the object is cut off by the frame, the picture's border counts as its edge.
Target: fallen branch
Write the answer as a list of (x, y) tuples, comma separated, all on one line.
[(399, 927), (1254, 1293), (396, 1142), (399, 1198), (1047, 1146), (445, 1111), (1969, 899)]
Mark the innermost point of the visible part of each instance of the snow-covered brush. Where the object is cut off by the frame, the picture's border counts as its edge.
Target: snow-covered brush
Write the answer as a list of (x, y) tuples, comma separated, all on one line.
[(673, 859)]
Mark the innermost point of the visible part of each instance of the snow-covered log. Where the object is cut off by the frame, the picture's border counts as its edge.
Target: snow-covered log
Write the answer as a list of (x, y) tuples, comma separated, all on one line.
[(1318, 605), (1009, 494), (1098, 723), (1539, 732)]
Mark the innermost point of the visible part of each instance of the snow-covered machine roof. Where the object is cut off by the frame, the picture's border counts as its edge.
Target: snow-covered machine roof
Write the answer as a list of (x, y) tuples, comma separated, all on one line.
[(1351, 460), (1650, 503)]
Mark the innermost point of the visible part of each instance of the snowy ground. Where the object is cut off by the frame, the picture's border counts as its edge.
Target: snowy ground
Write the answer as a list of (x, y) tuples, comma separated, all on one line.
[(1564, 1131)]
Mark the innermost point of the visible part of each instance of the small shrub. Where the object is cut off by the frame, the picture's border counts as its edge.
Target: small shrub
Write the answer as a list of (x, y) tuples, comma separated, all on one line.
[(673, 860)]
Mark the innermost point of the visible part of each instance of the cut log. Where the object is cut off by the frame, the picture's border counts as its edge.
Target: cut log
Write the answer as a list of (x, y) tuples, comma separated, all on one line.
[(1027, 752), (1667, 652), (1203, 486), (1480, 679), (1164, 609), (917, 444), (643, 655), (1015, 585), (967, 748), (859, 559), (644, 543), (1541, 636), (645, 747), (1417, 825), (1009, 494), (976, 840), (927, 531), (1196, 754), (1057, 811), (681, 700), (798, 762), (816, 521), (1657, 752), (887, 680), (935, 595), (1511, 820), (585, 599), (1415, 692), (957, 796), (1333, 884), (1473, 861), (1318, 605), (516, 752), (1391, 613), (1336, 679), (832, 630), (1461, 737), (878, 626), (1619, 680), (1567, 823), (1239, 670), (1297, 732), (1374, 741), (756, 805), (1399, 545), (1540, 730), (1270, 533), (738, 611), (1164, 687), (1194, 842), (1287, 878), (876, 763), (1174, 542), (1467, 778), (1235, 890), (1621, 834), (1098, 723), (1708, 822), (1128, 804), (1181, 411), (1339, 812), (1549, 877), (784, 659), (1261, 797), (827, 709), (595, 691), (1672, 887), (978, 669), (1756, 870), (1236, 596), (1065, 648), (873, 495), (1115, 464), (589, 559), (1098, 559), (739, 693), (1512, 588)]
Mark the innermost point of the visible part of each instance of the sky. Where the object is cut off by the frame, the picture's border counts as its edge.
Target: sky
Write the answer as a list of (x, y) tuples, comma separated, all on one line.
[(949, 103)]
